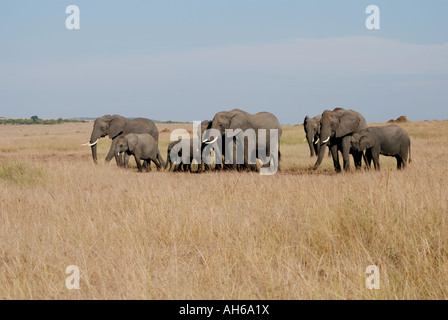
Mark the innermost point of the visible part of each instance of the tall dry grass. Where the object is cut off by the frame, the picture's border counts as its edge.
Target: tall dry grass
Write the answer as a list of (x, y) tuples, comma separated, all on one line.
[(299, 234)]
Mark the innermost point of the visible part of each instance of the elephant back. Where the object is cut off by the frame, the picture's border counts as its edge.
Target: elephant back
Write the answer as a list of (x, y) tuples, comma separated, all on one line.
[(142, 125)]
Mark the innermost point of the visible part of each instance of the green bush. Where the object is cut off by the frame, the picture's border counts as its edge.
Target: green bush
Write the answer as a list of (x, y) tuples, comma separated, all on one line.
[(36, 120)]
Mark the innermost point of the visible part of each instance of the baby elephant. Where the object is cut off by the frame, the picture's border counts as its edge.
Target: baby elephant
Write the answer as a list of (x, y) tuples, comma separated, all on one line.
[(170, 162), (390, 141), (183, 166), (143, 147)]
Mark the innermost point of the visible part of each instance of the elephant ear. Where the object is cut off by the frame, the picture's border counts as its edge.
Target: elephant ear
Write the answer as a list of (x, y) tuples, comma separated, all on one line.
[(132, 141), (348, 123), (306, 119), (367, 141), (239, 121), (116, 126)]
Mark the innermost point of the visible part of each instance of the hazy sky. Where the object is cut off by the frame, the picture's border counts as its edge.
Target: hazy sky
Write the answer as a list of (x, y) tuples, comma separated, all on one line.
[(187, 60)]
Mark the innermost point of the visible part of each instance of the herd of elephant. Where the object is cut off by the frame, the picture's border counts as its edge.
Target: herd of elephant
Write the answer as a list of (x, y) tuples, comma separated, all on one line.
[(340, 130)]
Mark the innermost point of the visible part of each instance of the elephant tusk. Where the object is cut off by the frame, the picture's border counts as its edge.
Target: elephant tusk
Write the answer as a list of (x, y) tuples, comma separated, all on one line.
[(326, 140), (88, 144), (204, 141), (317, 141), (304, 140), (213, 141)]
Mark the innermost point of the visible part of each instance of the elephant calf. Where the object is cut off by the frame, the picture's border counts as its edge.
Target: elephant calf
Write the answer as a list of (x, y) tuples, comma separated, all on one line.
[(143, 146), (171, 162), (390, 141), (176, 145)]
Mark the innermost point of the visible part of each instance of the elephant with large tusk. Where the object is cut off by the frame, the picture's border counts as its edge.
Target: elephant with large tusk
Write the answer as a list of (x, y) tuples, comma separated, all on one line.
[(241, 124), (116, 126), (337, 127)]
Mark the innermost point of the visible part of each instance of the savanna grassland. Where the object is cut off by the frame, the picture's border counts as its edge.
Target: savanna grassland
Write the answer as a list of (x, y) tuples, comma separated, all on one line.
[(300, 234)]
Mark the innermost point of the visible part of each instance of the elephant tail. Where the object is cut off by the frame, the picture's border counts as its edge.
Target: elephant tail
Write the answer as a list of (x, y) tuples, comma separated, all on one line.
[(409, 160), (162, 162), (167, 160)]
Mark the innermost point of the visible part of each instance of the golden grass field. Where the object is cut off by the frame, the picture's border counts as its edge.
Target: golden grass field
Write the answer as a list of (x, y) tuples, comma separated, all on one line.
[(299, 234)]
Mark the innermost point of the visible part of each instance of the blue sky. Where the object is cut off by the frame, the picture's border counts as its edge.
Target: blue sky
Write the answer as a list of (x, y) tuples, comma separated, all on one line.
[(187, 60)]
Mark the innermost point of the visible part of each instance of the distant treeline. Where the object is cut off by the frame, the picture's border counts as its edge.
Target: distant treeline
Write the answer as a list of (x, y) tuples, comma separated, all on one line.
[(36, 120)]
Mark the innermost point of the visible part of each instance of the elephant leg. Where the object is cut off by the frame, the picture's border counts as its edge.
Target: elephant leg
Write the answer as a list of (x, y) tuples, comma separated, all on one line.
[(376, 160), (346, 153), (249, 158), (157, 163), (147, 165), (364, 157), (218, 166), (368, 158), (207, 167), (357, 159), (278, 160), (335, 155), (399, 162), (120, 160), (139, 165), (404, 159), (190, 166)]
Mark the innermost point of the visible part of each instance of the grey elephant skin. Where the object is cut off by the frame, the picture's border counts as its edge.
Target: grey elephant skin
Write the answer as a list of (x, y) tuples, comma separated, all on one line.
[(220, 152), (240, 121), (337, 127), (143, 147), (312, 132), (176, 144), (116, 126), (392, 141)]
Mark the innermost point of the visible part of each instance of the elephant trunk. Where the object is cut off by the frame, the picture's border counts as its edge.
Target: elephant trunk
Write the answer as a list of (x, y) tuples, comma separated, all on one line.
[(310, 145), (111, 154), (93, 145), (321, 155), (94, 154), (324, 139)]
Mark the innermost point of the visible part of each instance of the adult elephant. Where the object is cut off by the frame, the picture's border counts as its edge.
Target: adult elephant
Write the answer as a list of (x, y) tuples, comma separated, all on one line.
[(220, 163), (116, 126), (240, 122), (312, 131), (337, 127)]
